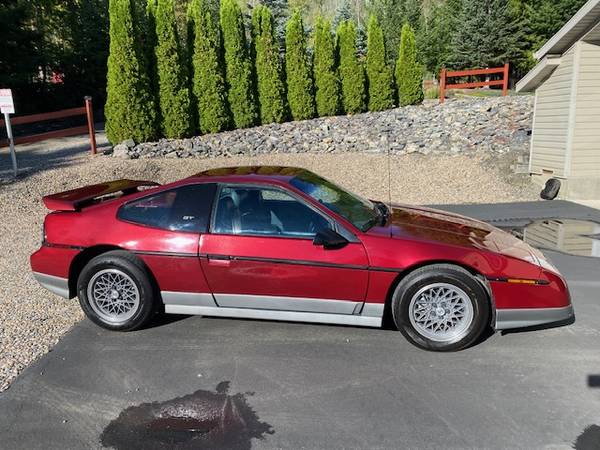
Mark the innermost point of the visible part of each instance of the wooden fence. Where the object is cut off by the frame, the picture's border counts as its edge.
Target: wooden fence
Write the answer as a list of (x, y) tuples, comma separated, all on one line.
[(444, 75), (72, 131)]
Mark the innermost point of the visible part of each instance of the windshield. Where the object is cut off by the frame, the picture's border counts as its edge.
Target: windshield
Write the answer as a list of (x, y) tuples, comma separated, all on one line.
[(360, 212)]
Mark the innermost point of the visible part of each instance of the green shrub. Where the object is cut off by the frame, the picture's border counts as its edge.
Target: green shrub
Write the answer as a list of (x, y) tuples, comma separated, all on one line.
[(173, 85), (208, 81), (300, 91), (271, 89), (327, 84), (409, 73), (130, 108), (381, 81), (149, 43), (242, 99), (352, 73)]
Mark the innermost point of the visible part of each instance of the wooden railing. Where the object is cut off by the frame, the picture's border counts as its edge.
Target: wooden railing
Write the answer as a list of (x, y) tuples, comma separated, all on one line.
[(72, 131), (444, 75)]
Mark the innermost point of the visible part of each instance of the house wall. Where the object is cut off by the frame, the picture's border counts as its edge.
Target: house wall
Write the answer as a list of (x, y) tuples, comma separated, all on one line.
[(550, 137), (585, 151)]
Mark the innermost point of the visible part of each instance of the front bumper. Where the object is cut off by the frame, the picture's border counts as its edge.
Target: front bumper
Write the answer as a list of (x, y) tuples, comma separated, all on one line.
[(531, 317), (57, 285)]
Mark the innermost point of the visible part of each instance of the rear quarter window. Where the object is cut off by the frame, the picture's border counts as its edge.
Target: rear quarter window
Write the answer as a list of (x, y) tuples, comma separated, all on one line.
[(186, 208)]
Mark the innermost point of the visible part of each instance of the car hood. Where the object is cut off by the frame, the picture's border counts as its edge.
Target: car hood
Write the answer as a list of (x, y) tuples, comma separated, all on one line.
[(418, 223)]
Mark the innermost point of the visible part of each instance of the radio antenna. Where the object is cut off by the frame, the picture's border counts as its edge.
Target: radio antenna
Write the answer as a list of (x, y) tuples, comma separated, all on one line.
[(389, 167)]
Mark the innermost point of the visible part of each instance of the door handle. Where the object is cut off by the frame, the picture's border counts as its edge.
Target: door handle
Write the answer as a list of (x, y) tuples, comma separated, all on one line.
[(219, 260)]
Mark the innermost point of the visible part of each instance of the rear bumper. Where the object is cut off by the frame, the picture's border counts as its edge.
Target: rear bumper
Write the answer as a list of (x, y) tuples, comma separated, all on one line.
[(57, 285), (50, 266), (531, 317)]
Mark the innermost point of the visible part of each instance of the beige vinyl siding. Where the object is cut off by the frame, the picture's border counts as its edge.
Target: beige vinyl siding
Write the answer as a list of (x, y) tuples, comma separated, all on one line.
[(562, 235), (551, 122), (585, 157)]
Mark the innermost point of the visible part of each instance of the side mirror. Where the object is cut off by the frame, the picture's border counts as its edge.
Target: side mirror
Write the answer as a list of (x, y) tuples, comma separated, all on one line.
[(330, 239)]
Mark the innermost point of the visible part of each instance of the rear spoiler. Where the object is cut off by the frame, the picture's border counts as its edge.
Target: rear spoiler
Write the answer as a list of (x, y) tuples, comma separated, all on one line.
[(77, 198)]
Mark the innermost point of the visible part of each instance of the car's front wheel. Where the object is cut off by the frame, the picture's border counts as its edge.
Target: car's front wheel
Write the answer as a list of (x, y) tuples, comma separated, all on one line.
[(115, 291), (441, 307)]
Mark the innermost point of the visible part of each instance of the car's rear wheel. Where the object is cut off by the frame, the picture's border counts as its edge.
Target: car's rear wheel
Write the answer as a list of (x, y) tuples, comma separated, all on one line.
[(115, 291), (441, 307)]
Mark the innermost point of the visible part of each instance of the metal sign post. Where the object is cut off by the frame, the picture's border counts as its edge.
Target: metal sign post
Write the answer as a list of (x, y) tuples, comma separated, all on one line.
[(11, 143), (7, 108)]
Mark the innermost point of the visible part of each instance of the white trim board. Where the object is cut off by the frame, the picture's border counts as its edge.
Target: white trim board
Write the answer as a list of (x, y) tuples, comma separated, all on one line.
[(538, 74)]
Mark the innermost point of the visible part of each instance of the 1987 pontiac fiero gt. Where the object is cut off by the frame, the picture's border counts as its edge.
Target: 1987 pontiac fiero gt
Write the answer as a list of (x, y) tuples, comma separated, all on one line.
[(283, 243)]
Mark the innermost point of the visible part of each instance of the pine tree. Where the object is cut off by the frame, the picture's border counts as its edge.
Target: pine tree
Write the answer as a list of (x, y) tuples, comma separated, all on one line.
[(453, 8), (438, 28), (343, 13), (129, 109), (148, 43), (350, 10), (352, 73), (300, 90), (271, 88), (412, 13), (173, 94), (20, 54), (84, 28), (189, 51), (208, 86), (536, 21), (409, 73), (380, 79), (487, 36), (279, 11), (390, 16), (150, 39), (546, 17), (327, 84), (144, 31), (240, 86)]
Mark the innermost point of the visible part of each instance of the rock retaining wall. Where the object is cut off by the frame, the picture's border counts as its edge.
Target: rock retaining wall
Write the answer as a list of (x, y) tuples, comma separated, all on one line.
[(494, 125)]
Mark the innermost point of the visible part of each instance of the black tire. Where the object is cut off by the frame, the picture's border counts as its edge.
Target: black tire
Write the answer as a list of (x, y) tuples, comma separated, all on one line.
[(436, 275), (121, 262)]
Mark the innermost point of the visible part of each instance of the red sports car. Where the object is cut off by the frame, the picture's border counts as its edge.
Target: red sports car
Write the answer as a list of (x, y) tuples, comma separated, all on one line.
[(282, 243)]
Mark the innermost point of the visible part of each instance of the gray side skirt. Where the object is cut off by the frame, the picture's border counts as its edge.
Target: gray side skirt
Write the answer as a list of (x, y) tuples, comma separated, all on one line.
[(287, 303), (274, 308)]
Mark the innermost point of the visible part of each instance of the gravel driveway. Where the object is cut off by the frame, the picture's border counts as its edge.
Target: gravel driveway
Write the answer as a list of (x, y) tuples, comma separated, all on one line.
[(32, 319)]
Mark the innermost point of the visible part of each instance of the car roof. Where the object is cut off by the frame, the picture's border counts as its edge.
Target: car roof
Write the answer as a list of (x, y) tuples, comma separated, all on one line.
[(254, 173)]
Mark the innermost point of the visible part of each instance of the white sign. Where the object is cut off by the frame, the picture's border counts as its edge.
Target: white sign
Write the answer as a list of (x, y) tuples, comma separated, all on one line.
[(6, 102)]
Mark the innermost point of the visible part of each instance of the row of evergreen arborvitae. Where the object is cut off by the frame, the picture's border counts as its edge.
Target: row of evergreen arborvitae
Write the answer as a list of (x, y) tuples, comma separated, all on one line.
[(156, 88)]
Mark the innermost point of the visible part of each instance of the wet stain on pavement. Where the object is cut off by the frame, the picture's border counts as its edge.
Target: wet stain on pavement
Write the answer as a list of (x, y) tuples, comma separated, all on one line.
[(202, 420), (575, 237), (589, 439)]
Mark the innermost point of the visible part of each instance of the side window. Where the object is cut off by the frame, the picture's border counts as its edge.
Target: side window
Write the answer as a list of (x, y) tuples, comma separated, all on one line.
[(186, 208), (267, 212)]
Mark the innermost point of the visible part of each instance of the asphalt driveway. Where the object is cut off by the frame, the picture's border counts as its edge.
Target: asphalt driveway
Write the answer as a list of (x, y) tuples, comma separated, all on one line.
[(260, 384)]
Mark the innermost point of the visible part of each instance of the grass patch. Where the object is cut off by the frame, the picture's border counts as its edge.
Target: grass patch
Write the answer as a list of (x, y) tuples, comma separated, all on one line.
[(432, 93)]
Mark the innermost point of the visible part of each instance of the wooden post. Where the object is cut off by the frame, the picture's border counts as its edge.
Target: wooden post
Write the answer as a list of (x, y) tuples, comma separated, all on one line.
[(443, 85), (505, 84), (90, 120)]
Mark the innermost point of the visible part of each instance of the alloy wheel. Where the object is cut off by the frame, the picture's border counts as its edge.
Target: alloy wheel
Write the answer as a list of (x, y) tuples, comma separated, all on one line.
[(441, 312), (113, 295)]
